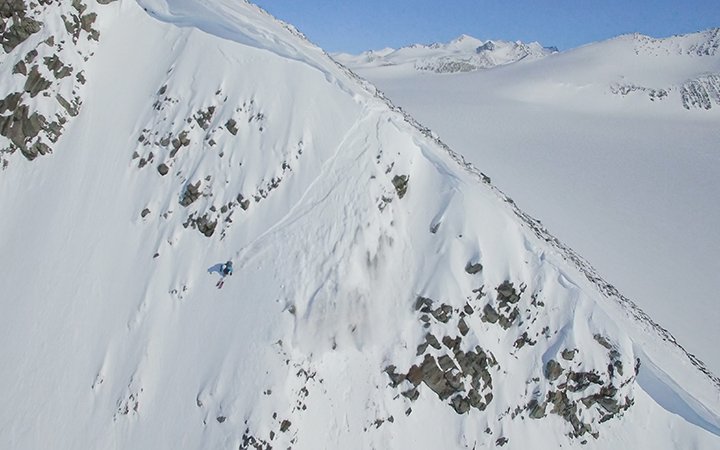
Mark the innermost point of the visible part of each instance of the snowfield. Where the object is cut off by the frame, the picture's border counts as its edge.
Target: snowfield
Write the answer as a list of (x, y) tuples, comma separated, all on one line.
[(385, 294)]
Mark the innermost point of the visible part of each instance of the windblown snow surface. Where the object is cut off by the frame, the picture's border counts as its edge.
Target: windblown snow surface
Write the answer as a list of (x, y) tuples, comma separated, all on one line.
[(614, 146), (385, 295)]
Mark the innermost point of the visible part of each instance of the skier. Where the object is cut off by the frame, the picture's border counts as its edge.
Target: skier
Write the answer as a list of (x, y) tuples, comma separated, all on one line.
[(227, 269)]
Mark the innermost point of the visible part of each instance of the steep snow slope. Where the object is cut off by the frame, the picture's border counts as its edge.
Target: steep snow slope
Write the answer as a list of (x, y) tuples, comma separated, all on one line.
[(464, 54), (627, 176), (385, 296)]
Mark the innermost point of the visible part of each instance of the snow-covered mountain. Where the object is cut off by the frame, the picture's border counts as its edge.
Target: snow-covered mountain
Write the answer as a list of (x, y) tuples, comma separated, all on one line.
[(696, 90), (464, 54), (627, 176), (386, 295)]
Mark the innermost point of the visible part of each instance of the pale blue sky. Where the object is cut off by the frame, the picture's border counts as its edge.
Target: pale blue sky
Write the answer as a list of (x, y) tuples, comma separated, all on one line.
[(357, 25)]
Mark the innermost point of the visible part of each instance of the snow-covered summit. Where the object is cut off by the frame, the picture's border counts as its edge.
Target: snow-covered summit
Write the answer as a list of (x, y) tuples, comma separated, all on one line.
[(681, 70), (696, 51), (463, 54), (703, 43), (385, 293)]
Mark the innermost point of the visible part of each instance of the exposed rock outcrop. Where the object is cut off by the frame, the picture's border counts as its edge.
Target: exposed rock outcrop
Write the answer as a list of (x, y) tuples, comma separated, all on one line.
[(461, 374), (400, 182), (50, 58), (703, 93)]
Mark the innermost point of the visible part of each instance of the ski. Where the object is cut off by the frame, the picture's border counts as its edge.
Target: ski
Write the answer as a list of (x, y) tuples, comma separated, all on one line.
[(227, 269)]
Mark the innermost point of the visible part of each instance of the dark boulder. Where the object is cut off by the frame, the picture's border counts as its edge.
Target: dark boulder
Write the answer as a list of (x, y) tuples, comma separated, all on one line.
[(191, 194), (553, 370), (35, 82), (400, 182), (231, 126), (489, 314), (473, 268)]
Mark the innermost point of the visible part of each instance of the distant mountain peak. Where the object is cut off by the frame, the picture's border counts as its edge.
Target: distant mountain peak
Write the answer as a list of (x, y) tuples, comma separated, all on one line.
[(464, 37), (465, 40), (463, 54)]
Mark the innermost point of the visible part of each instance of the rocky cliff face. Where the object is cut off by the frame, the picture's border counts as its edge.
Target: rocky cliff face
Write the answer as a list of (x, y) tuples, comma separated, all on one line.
[(703, 93), (699, 93), (46, 45)]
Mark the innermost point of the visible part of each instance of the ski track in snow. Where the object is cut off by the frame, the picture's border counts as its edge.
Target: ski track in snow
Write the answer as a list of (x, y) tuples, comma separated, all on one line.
[(304, 205)]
